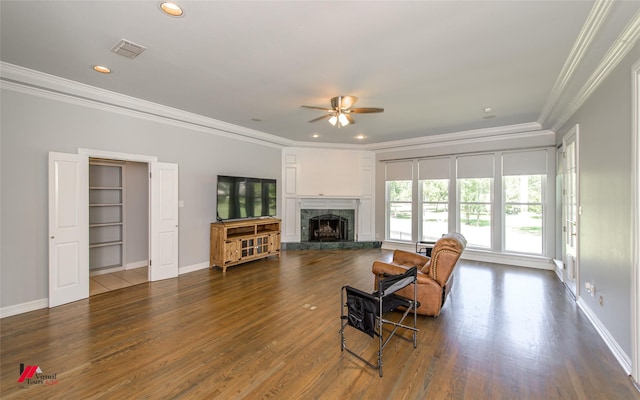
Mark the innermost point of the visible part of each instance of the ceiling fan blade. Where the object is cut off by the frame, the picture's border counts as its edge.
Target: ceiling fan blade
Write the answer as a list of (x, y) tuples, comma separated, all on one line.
[(319, 118), (318, 108), (366, 110), (350, 119), (343, 102)]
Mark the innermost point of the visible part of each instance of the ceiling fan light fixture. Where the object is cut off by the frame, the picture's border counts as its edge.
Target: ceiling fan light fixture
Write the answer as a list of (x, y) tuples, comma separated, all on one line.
[(343, 119), (341, 111)]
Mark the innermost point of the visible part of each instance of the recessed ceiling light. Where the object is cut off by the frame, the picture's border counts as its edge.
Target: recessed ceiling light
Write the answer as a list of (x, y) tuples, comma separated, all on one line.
[(487, 109), (256, 119), (315, 135), (101, 69), (171, 9), (360, 137)]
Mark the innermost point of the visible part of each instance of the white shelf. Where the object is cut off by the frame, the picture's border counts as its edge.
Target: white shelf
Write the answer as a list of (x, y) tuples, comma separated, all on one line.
[(106, 216), (105, 244), (105, 224)]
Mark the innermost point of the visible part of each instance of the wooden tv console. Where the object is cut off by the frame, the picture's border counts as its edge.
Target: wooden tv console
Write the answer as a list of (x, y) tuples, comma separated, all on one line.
[(240, 241)]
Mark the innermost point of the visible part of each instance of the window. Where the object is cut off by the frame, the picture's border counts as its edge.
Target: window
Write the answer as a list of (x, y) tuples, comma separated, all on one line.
[(498, 201), (399, 210), (475, 210), (524, 176), (433, 193), (523, 213), (435, 208), (475, 187), (399, 196)]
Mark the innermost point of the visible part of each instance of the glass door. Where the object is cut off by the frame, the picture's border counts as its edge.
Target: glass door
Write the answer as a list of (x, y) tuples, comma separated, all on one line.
[(570, 210)]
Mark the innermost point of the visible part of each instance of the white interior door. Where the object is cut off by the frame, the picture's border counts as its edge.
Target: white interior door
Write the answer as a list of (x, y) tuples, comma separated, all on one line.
[(164, 221), (571, 211), (68, 228)]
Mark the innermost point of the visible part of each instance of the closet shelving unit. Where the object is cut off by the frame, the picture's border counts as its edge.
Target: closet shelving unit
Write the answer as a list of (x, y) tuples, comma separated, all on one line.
[(106, 216)]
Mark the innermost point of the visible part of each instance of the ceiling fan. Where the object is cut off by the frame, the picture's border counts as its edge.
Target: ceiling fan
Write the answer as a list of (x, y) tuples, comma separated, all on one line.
[(341, 109)]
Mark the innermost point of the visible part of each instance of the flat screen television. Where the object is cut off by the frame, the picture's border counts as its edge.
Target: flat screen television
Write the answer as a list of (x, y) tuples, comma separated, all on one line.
[(243, 197)]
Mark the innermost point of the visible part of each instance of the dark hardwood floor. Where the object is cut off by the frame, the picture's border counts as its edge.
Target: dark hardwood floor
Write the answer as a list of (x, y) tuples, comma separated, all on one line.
[(269, 330)]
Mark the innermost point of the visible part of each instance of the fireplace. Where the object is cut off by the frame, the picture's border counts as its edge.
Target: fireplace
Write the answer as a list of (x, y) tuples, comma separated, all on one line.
[(330, 223), (326, 225), (328, 228)]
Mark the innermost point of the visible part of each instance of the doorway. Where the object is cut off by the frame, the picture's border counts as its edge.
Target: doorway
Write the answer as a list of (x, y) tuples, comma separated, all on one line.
[(118, 224), (635, 281), (69, 221), (571, 211)]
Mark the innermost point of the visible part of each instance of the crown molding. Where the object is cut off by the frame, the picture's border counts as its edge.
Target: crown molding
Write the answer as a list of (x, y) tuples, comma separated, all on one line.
[(530, 129), (36, 83), (25, 80), (592, 25), (620, 48)]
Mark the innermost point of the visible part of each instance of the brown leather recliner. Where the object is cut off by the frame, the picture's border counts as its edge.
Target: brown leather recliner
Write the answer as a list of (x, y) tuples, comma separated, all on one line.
[(435, 276)]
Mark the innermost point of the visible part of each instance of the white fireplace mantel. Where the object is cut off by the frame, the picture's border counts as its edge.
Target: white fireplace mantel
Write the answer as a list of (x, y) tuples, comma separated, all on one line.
[(328, 203)]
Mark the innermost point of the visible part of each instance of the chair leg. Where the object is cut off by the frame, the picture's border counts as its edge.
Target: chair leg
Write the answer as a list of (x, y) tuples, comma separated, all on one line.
[(380, 341), (380, 354), (342, 320), (415, 314)]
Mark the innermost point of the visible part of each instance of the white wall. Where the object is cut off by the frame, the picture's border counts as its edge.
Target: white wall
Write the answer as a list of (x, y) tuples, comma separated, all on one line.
[(605, 253), (34, 123), (137, 213), (327, 172)]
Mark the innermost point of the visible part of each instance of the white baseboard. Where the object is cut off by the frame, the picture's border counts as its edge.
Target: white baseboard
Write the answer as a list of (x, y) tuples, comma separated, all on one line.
[(137, 264), (604, 333), (194, 267), (23, 308), (104, 271), (129, 266), (559, 269), (44, 303), (519, 260)]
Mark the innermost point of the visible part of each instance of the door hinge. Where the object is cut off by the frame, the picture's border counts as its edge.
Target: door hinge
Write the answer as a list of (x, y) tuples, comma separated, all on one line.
[(149, 175), (149, 262), (564, 229)]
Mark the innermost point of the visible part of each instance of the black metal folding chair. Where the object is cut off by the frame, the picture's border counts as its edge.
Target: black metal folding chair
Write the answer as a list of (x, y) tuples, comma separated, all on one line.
[(364, 312)]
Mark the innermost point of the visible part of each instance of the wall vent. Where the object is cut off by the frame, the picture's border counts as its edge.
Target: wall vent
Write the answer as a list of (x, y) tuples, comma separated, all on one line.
[(127, 49)]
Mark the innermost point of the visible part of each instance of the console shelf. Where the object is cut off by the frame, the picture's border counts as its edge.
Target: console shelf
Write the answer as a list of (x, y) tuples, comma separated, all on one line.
[(237, 242)]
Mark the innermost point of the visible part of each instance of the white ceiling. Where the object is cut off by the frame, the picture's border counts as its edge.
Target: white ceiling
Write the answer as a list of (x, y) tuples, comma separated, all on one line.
[(432, 65)]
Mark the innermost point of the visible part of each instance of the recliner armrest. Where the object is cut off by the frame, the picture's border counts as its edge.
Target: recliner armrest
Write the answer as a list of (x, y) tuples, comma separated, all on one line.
[(408, 258), (381, 268)]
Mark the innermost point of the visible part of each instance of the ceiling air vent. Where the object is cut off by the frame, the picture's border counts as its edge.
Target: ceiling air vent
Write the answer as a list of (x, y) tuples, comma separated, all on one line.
[(127, 49)]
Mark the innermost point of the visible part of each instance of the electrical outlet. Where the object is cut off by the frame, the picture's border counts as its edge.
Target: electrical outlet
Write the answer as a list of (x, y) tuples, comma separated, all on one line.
[(590, 288)]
